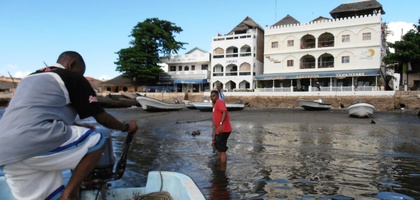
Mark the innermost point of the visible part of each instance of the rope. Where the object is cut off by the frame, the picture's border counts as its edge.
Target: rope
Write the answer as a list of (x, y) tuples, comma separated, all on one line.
[(154, 196)]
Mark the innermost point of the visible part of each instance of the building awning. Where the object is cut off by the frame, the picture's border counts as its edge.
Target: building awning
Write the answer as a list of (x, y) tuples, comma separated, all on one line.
[(320, 74), (190, 81)]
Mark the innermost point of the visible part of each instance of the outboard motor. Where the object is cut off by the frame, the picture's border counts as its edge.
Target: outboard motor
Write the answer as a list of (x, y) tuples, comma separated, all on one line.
[(104, 170)]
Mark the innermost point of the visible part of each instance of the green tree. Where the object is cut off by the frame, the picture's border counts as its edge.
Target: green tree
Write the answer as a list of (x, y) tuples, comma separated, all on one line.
[(153, 38), (407, 51)]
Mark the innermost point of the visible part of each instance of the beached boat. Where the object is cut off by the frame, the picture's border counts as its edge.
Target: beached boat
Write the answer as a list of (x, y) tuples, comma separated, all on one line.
[(361, 109), (207, 106), (318, 104), (151, 104)]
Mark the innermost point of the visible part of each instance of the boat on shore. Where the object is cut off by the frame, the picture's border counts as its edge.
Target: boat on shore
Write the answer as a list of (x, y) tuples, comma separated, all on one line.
[(318, 104), (361, 109), (151, 104), (207, 106)]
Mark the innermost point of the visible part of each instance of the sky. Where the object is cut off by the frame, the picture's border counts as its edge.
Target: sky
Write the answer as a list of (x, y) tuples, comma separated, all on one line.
[(34, 32)]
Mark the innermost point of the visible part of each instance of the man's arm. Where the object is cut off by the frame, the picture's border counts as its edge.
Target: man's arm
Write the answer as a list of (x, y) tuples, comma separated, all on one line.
[(111, 122)]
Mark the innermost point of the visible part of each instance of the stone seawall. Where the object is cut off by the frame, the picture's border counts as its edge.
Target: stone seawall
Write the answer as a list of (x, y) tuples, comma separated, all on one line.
[(410, 100)]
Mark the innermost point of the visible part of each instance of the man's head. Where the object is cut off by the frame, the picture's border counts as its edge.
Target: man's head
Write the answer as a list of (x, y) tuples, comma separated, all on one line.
[(72, 61), (214, 95), (218, 86)]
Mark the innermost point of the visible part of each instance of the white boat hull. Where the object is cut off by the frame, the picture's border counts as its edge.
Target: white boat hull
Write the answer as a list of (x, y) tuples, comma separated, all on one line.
[(179, 186), (151, 104), (314, 105), (207, 106), (361, 110)]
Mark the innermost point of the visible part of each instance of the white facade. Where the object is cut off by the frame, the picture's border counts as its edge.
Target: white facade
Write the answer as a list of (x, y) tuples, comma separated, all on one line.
[(189, 71), (333, 55), (347, 44), (235, 60)]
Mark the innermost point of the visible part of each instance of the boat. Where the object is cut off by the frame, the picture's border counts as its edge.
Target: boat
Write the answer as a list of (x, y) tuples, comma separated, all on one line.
[(207, 106), (361, 109), (318, 104), (189, 105), (178, 185), (151, 104), (172, 185)]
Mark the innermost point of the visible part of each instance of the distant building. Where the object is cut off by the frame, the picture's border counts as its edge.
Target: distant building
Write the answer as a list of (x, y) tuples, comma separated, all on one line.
[(238, 57), (8, 84), (188, 72), (340, 54), (118, 84)]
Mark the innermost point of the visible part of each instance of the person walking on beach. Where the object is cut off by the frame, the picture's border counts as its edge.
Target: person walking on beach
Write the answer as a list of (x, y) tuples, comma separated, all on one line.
[(39, 136), (219, 90), (221, 126)]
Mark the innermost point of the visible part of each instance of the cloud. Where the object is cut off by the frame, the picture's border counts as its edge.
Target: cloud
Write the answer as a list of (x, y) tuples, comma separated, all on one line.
[(104, 78), (20, 74), (398, 29)]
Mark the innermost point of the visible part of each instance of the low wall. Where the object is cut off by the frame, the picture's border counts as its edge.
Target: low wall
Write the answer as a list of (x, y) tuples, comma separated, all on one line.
[(382, 101)]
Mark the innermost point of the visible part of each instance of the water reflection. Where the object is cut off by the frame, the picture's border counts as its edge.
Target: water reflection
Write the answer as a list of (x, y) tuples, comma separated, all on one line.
[(287, 156), (219, 181)]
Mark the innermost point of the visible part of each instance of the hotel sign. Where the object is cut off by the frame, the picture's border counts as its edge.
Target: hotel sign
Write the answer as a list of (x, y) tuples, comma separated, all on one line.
[(308, 76), (350, 74), (341, 74)]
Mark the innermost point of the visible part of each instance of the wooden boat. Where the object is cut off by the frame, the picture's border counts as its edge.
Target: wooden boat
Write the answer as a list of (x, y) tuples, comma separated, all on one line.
[(361, 109), (207, 106), (178, 185), (151, 104), (318, 104)]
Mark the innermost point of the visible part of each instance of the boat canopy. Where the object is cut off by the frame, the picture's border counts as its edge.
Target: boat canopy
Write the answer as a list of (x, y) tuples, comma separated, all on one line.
[(320, 74)]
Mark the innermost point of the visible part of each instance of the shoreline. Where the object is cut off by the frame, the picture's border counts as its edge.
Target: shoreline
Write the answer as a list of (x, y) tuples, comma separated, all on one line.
[(408, 101)]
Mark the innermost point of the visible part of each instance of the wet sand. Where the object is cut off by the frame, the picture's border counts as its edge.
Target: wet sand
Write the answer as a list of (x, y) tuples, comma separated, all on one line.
[(281, 153), (266, 116)]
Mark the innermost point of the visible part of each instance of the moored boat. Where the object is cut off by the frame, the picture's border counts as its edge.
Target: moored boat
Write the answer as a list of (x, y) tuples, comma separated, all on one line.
[(207, 106), (318, 104), (361, 109), (151, 104)]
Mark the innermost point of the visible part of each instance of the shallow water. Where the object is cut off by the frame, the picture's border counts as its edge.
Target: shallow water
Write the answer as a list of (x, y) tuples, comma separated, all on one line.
[(281, 153)]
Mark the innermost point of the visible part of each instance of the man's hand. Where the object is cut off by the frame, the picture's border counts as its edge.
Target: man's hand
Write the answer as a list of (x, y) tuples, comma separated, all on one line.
[(132, 127)]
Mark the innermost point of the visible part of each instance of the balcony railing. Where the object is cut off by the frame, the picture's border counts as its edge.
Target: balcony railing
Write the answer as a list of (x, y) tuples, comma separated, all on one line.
[(217, 73), (230, 55), (245, 54), (244, 73), (307, 65), (323, 89), (232, 73), (326, 64)]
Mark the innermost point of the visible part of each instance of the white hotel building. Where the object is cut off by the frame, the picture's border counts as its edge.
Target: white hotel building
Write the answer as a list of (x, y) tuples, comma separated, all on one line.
[(340, 54), (238, 57), (188, 72)]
